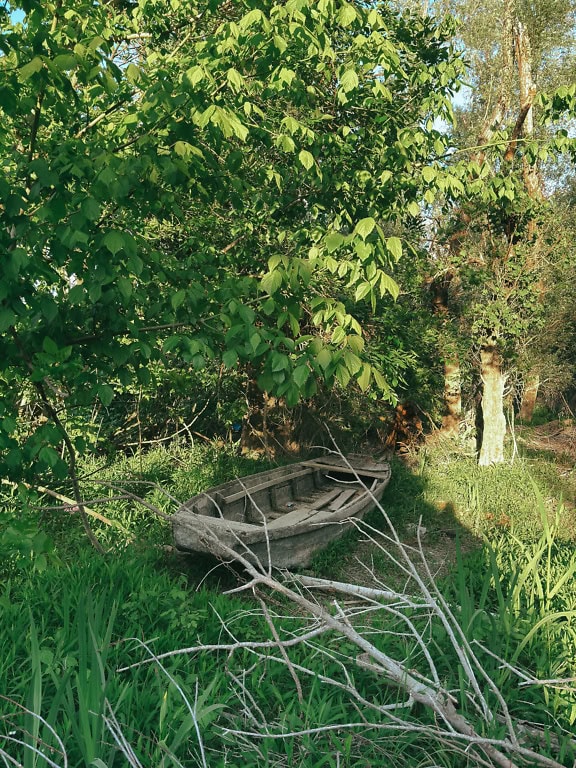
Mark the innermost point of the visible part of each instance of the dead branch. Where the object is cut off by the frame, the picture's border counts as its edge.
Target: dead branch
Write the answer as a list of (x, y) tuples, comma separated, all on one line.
[(70, 504)]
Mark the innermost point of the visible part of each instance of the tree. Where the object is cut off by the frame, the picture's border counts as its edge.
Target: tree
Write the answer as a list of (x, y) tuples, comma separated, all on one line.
[(496, 241), (220, 193)]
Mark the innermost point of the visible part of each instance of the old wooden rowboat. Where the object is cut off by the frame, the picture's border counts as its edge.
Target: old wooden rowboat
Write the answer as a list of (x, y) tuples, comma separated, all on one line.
[(284, 516)]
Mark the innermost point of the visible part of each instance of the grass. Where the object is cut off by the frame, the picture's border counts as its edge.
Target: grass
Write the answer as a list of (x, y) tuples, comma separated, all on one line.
[(66, 632), (68, 616)]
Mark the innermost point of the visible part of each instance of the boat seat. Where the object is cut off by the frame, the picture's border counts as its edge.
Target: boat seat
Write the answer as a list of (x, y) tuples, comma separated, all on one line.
[(221, 499)]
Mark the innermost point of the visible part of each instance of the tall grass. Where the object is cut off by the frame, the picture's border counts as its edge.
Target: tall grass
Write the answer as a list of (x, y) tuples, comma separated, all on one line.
[(517, 602), (65, 633), (71, 620)]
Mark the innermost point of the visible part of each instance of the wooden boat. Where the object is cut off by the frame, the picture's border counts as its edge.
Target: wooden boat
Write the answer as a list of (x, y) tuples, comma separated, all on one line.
[(283, 516)]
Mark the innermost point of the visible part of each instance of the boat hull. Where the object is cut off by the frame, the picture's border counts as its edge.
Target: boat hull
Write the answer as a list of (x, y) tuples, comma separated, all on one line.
[(282, 517)]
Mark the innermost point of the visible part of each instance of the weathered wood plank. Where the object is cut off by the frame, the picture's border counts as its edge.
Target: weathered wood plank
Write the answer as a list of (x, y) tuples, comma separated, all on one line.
[(360, 471), (342, 499), (262, 486), (303, 512)]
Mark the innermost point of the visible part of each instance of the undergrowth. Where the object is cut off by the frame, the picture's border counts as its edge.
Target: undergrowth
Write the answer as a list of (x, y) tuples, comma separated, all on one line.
[(72, 619)]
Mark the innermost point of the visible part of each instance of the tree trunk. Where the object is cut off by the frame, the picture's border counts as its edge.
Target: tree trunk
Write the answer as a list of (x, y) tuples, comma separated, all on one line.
[(452, 397), (440, 288), (529, 398), (494, 429)]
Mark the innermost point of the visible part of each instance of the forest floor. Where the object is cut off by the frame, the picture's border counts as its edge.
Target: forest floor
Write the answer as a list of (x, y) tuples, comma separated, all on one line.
[(558, 437), (437, 514)]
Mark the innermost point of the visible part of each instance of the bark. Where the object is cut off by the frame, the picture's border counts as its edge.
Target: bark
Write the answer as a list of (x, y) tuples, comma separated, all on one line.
[(452, 397), (529, 396), (516, 39), (494, 421), (440, 287), (527, 89)]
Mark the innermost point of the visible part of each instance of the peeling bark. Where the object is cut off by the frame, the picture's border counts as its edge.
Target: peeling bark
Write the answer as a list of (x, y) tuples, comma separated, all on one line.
[(452, 397), (440, 287), (494, 430)]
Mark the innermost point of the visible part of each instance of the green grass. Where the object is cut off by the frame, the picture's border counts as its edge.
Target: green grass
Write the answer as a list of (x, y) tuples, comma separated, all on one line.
[(69, 616), (67, 631), (444, 488)]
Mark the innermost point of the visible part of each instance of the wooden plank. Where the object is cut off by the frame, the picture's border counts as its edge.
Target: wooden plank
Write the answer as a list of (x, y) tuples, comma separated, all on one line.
[(262, 486), (303, 512), (380, 474), (342, 499), (326, 498), (291, 518), (214, 523)]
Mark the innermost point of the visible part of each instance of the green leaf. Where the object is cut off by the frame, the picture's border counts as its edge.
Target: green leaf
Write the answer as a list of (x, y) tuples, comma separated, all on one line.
[(429, 173), (306, 159), (347, 15), (125, 287), (353, 362), (266, 382), (91, 209), (178, 298), (271, 282), (388, 285), (133, 73), (235, 79), (362, 291), (394, 247), (230, 358), (338, 335), (286, 143), (364, 378), (333, 241), (279, 362), (77, 295), (172, 342), (349, 80), (300, 375), (324, 358), (364, 227), (7, 318), (42, 170), (113, 241), (26, 72), (194, 75), (105, 394), (184, 149), (49, 455), (343, 375), (65, 61), (280, 43), (49, 346), (381, 382)]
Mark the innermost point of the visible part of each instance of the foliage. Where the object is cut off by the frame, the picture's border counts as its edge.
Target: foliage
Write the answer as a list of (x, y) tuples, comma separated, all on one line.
[(131, 491), (172, 196), (64, 636)]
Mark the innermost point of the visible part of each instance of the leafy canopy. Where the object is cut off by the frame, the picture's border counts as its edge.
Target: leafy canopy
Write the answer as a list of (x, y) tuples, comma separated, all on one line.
[(217, 184)]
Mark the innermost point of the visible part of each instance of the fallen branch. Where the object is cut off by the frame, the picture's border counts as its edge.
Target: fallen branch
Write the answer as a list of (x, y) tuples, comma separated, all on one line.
[(71, 504)]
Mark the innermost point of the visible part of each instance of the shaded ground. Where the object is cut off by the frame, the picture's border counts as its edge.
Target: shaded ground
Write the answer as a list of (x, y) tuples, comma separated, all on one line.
[(457, 510), (428, 528), (557, 437)]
